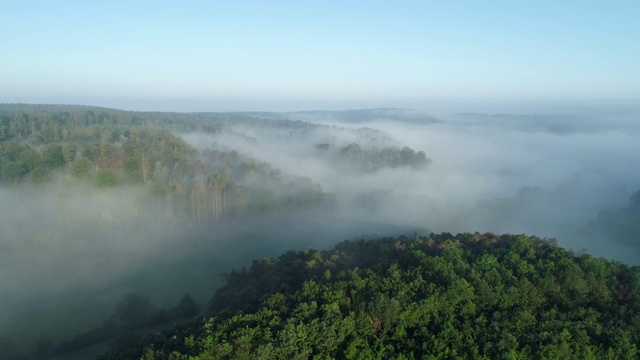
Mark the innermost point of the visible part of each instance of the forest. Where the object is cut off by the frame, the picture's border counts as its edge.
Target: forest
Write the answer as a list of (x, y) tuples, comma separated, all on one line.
[(116, 225), (113, 189), (185, 180), (469, 296), (108, 148)]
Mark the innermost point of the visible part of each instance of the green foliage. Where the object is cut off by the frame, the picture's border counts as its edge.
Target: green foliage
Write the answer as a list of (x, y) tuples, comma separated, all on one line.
[(374, 159), (19, 161), (106, 178), (53, 156), (80, 167), (466, 296), (68, 152), (113, 148)]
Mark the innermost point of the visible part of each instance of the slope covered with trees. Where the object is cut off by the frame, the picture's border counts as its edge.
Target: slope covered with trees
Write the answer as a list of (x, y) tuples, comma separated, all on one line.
[(104, 201), (109, 148), (467, 296)]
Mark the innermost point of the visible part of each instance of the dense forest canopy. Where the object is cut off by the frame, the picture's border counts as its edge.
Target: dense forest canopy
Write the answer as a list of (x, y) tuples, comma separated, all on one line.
[(472, 296), (94, 132)]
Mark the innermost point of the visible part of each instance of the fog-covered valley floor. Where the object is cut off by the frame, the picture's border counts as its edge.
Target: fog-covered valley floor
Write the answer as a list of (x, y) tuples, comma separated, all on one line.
[(69, 252), (541, 173)]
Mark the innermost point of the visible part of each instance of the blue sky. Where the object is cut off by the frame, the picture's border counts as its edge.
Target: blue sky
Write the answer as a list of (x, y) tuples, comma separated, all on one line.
[(227, 55)]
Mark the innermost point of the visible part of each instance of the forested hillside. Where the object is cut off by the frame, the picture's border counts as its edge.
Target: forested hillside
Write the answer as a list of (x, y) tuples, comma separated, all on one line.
[(108, 148), (97, 204), (115, 224), (198, 180), (468, 296)]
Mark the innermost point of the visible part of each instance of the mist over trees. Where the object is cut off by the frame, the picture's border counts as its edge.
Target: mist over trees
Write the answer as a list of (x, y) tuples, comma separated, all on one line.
[(115, 190), (622, 225), (113, 148), (106, 212), (468, 296)]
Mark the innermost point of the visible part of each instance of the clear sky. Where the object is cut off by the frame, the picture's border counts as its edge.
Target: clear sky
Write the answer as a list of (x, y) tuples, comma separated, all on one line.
[(226, 55)]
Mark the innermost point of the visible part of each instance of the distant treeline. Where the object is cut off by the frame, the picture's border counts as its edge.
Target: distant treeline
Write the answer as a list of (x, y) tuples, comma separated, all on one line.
[(43, 124), (355, 157), (469, 296), (368, 115), (110, 148)]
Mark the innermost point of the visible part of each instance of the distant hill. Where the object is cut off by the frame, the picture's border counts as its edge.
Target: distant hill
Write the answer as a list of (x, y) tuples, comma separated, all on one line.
[(353, 116), (556, 124)]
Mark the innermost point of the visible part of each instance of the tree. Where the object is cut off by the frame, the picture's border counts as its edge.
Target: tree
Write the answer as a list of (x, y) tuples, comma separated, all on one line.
[(135, 310), (11, 171), (186, 307), (68, 153), (80, 167), (159, 178), (18, 127), (106, 178), (53, 156)]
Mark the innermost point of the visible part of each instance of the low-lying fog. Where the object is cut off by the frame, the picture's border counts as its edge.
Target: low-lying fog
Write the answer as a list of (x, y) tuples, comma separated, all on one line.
[(74, 253), (543, 173)]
